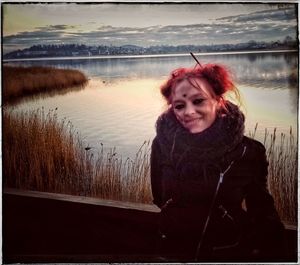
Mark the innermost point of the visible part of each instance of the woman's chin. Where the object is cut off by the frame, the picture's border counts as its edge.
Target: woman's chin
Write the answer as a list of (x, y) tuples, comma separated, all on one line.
[(197, 129)]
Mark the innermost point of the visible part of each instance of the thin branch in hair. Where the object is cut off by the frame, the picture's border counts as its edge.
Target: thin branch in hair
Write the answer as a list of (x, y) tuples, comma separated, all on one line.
[(196, 59)]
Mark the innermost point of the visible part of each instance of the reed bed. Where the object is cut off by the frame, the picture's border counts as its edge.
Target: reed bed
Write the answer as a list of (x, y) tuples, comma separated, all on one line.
[(283, 169), (45, 154), (282, 155), (118, 179), (40, 154), (19, 82)]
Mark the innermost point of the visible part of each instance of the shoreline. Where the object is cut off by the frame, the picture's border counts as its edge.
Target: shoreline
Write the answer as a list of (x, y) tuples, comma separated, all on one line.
[(142, 56)]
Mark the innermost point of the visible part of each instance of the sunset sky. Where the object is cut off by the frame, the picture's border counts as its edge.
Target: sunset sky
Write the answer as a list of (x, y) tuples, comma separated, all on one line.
[(145, 24)]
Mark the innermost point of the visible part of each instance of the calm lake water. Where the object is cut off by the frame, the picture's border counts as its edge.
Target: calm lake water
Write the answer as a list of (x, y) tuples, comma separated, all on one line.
[(121, 103)]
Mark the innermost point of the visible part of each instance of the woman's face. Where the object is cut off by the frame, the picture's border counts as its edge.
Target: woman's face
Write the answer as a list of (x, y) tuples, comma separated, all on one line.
[(194, 105)]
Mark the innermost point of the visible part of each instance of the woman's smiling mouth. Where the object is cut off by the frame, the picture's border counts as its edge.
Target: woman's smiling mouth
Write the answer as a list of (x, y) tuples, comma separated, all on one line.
[(192, 121)]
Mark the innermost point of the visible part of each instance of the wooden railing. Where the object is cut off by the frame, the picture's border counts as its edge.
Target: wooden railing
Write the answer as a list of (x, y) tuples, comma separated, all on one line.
[(50, 228)]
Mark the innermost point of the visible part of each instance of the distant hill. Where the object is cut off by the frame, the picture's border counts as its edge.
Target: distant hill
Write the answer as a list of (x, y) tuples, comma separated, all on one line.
[(69, 50)]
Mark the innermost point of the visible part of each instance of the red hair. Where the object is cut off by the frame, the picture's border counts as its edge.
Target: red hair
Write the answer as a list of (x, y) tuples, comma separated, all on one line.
[(216, 75)]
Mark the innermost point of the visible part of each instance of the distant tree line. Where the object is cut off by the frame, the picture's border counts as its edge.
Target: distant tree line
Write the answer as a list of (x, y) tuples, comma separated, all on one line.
[(60, 50)]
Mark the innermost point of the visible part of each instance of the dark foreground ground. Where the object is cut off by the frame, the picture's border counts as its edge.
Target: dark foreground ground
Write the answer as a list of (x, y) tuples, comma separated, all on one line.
[(53, 228)]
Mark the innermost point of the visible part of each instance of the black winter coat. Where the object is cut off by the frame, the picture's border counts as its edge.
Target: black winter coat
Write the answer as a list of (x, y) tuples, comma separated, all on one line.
[(243, 224)]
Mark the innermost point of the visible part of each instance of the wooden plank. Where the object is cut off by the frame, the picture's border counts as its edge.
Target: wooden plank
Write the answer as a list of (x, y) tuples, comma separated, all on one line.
[(85, 200)]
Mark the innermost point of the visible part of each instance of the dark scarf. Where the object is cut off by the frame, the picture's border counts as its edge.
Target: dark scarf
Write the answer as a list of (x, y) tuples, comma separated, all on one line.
[(209, 147)]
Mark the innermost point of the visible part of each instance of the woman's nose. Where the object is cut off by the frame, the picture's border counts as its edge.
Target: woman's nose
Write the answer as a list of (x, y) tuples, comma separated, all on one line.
[(189, 110)]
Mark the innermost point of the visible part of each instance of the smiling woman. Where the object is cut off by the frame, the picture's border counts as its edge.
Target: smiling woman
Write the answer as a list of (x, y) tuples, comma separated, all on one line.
[(215, 206)]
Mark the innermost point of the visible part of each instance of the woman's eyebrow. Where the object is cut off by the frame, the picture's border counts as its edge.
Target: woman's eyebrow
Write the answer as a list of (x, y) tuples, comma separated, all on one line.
[(178, 101), (202, 95)]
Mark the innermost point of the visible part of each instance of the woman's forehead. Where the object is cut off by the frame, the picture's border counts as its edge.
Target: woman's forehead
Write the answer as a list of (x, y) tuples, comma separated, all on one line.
[(193, 86)]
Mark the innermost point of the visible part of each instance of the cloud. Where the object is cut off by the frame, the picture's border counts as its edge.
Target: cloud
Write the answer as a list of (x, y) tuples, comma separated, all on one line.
[(55, 28), (263, 26), (287, 15)]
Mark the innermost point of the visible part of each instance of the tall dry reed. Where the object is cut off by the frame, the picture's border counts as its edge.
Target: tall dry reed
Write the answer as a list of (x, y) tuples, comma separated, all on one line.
[(283, 172), (39, 153), (23, 81), (44, 154), (282, 154), (127, 180)]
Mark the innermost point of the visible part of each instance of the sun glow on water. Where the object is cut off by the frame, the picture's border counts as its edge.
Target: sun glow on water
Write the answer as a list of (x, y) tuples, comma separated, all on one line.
[(269, 108)]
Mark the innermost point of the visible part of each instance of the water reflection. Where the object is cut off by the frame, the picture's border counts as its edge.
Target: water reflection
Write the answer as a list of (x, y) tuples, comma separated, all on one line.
[(43, 95), (294, 99), (267, 70), (120, 114), (256, 66)]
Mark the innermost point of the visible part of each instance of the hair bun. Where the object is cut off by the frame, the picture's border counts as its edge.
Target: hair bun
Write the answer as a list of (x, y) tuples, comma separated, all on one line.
[(218, 77)]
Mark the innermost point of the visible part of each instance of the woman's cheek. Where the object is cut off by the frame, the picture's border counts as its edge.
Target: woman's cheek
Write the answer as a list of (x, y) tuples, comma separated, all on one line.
[(179, 115)]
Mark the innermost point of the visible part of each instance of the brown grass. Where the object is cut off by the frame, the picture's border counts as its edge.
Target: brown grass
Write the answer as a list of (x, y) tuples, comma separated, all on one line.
[(44, 154), (19, 82), (283, 172), (282, 154), (126, 180), (39, 153)]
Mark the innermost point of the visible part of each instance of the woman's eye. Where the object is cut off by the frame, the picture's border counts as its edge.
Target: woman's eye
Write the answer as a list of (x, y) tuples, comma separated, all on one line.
[(179, 106), (198, 101)]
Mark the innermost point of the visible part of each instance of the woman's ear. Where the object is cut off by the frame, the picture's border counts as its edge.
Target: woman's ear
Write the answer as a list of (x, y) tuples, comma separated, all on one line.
[(220, 102), (221, 106)]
